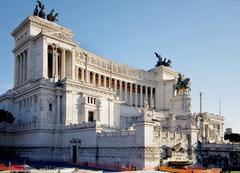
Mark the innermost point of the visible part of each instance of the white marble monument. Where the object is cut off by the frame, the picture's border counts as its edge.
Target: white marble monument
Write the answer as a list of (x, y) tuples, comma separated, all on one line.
[(73, 105)]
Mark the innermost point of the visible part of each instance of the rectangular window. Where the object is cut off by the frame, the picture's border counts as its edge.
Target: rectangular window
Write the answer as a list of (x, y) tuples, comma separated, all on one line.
[(50, 107)]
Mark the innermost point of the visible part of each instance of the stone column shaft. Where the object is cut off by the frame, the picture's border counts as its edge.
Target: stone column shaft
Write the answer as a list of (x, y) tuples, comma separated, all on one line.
[(73, 65), (86, 74), (76, 72), (141, 96), (53, 64), (63, 65), (136, 95), (120, 90), (56, 66), (151, 98), (146, 93), (131, 95), (94, 78), (15, 71), (99, 80), (18, 69), (82, 74), (115, 84), (23, 67), (125, 93)]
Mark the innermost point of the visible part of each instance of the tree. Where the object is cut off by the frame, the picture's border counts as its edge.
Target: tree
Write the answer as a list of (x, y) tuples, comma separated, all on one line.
[(232, 137), (6, 116)]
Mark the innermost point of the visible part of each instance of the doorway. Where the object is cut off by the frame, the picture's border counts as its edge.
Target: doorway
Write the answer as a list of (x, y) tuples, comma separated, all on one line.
[(90, 116), (74, 153)]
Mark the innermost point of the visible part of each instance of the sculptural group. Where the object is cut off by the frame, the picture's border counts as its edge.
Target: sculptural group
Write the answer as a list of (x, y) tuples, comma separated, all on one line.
[(161, 61), (39, 11)]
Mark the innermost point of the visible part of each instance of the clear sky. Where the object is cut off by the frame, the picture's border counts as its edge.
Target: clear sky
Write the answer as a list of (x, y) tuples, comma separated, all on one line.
[(202, 38)]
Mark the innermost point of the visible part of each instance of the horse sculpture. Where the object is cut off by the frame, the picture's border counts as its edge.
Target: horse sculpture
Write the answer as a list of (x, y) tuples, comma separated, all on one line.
[(35, 12), (182, 85), (162, 62), (41, 12), (52, 17)]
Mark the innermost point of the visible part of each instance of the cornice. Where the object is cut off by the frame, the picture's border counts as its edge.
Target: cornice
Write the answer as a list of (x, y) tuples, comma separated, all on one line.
[(44, 24)]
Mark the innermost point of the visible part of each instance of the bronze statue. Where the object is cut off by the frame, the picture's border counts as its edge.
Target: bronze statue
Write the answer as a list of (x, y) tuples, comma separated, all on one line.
[(35, 12), (41, 12), (162, 62), (52, 17), (182, 84)]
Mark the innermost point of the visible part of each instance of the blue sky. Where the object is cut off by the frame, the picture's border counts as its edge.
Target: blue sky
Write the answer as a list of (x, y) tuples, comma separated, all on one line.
[(202, 38)]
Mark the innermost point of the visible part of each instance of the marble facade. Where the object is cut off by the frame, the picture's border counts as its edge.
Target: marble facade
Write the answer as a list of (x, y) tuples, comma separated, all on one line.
[(73, 105)]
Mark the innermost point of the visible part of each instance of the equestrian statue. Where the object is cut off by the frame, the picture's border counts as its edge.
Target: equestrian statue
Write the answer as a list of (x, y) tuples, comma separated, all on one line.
[(182, 86), (161, 61)]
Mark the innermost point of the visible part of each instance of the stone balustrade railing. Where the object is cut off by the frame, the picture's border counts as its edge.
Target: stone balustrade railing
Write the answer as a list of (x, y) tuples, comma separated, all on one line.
[(173, 135), (82, 125), (117, 134)]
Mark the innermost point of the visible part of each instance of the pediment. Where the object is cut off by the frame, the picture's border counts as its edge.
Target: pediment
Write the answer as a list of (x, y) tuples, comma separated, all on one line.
[(60, 36)]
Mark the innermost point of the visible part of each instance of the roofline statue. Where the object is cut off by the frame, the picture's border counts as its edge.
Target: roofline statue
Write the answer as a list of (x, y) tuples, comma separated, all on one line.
[(52, 17), (39, 11), (161, 61)]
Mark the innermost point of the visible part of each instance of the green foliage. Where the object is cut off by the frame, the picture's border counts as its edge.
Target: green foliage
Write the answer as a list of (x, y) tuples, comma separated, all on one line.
[(232, 137), (6, 116)]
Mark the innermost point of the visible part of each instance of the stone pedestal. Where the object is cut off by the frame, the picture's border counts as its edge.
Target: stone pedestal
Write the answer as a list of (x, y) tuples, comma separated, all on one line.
[(181, 105)]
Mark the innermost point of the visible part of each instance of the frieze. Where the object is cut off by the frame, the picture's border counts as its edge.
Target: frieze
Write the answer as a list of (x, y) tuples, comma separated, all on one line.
[(49, 25), (90, 89)]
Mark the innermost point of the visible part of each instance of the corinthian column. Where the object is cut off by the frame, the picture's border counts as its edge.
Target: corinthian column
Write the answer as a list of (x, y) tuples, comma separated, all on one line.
[(23, 66), (131, 94), (136, 95), (15, 71), (120, 90), (63, 64), (151, 97), (125, 99), (141, 95)]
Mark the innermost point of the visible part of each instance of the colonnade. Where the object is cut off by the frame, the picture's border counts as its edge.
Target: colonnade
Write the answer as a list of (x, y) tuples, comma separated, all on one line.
[(57, 60), (133, 94), (21, 67)]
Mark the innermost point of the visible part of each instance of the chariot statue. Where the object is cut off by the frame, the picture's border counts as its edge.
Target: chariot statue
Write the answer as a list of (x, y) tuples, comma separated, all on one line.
[(161, 61), (52, 17), (39, 11), (182, 86)]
